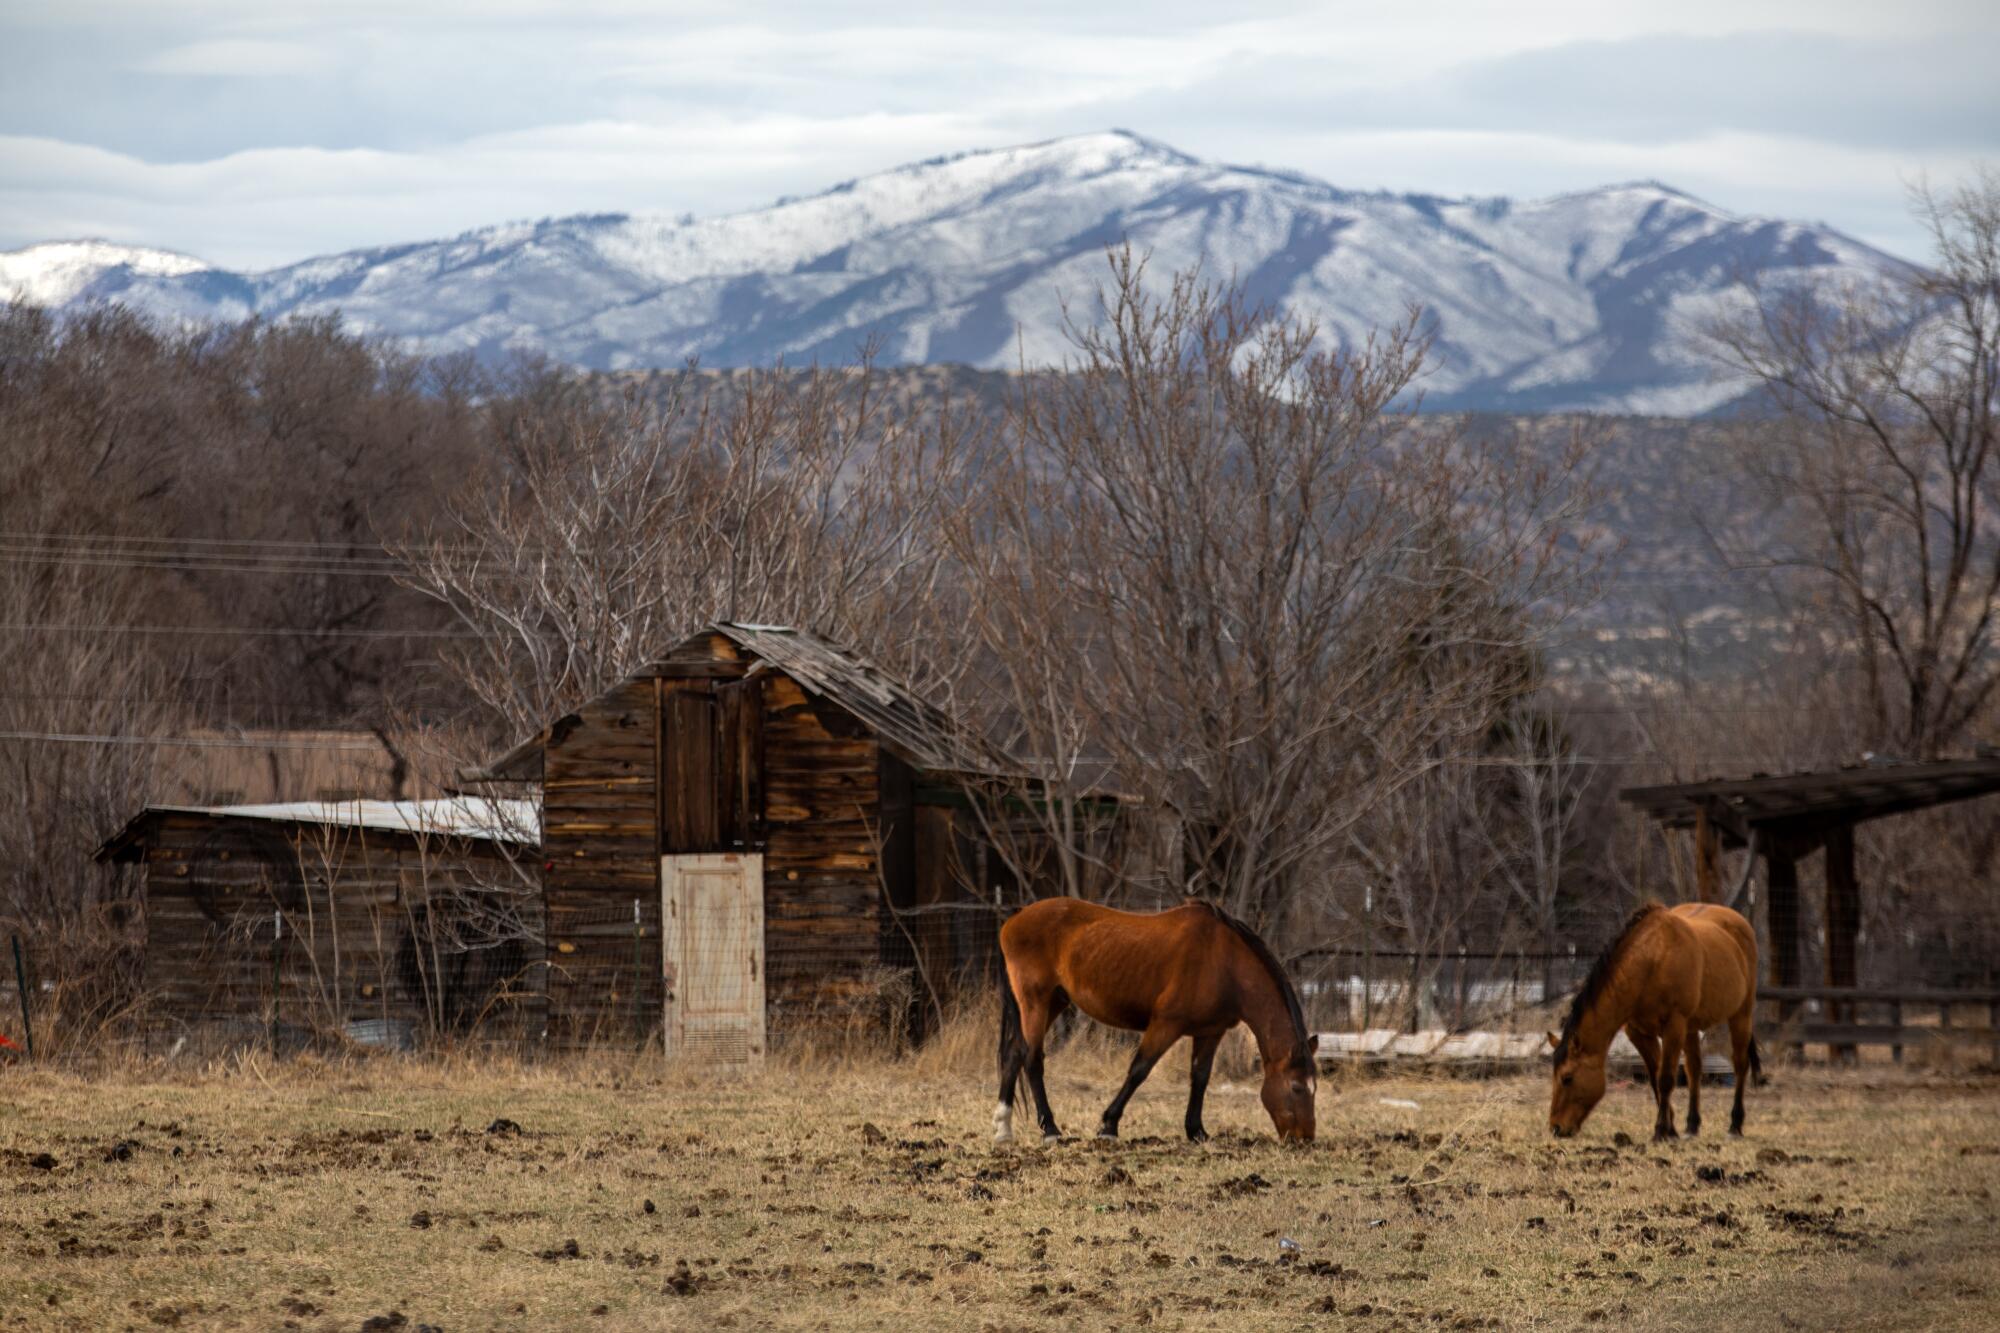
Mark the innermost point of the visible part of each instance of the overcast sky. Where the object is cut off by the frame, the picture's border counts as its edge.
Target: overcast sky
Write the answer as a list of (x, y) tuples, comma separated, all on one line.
[(251, 136)]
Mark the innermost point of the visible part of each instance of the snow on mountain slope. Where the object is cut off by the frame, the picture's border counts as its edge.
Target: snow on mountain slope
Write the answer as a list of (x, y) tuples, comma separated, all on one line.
[(1580, 301), (59, 272)]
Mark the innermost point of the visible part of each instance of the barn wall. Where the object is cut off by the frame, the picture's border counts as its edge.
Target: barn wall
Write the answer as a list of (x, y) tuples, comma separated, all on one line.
[(822, 891), (353, 900), (704, 755), (600, 840)]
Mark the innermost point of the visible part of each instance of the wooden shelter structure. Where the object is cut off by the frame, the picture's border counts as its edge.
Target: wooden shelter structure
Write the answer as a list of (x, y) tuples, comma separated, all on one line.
[(758, 833), (379, 920), (1786, 818)]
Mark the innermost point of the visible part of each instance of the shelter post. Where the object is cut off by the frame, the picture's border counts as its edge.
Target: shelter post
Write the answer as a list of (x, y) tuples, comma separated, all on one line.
[(1707, 858), (1843, 924), (1781, 907)]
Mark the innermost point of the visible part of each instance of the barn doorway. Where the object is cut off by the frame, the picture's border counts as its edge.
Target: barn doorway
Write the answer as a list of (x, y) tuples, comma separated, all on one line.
[(712, 952)]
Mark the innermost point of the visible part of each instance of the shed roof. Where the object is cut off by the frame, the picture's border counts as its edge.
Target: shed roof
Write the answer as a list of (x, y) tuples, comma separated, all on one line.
[(918, 731), (513, 822), (914, 729), (1838, 795)]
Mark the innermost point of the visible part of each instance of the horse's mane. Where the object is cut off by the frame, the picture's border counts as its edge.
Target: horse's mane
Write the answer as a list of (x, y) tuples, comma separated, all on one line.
[(1271, 964), (1600, 975)]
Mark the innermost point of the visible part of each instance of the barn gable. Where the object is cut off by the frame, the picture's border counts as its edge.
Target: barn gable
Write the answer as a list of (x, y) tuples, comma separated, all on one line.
[(745, 740)]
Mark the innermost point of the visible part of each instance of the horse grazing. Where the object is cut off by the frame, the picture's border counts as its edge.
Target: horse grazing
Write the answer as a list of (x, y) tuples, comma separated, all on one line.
[(1668, 976), (1193, 971)]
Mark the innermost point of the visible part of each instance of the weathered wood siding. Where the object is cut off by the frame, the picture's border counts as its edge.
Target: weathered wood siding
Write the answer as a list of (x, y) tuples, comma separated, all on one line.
[(823, 923), (696, 758), (600, 844), (355, 905)]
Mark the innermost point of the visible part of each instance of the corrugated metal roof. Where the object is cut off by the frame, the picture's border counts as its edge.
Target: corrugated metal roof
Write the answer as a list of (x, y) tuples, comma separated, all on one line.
[(517, 822), (917, 731)]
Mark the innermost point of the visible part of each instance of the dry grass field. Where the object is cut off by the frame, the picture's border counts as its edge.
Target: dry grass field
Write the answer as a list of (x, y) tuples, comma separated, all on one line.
[(398, 1194)]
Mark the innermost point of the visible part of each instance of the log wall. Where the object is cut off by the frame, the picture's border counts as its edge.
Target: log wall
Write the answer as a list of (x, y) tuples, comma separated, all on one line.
[(355, 941), (697, 757), (600, 848)]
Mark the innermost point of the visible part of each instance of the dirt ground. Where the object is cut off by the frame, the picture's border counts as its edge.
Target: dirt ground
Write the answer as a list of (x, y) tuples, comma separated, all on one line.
[(389, 1194)]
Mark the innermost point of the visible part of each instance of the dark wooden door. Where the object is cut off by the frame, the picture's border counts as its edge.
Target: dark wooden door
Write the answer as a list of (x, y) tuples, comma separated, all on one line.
[(711, 767)]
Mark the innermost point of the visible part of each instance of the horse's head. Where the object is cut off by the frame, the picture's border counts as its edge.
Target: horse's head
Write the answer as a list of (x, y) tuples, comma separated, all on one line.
[(1577, 1086), (1289, 1085)]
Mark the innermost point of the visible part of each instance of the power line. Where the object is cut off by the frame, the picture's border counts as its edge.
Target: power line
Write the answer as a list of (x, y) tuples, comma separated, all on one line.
[(244, 631), (185, 742)]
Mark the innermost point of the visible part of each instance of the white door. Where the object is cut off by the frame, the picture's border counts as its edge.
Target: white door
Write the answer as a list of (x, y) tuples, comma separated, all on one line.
[(712, 950)]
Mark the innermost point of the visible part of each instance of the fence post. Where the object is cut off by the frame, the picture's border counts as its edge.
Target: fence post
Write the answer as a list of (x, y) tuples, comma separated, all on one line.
[(1896, 1017), (1368, 961), (638, 972), (277, 973), (1458, 1016), (21, 980)]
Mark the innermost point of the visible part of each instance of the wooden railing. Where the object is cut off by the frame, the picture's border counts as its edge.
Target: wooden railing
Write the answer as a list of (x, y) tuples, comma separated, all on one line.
[(1833, 1016)]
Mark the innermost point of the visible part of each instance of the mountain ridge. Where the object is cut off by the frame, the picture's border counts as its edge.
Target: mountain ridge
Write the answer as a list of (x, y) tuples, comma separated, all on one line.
[(1583, 300)]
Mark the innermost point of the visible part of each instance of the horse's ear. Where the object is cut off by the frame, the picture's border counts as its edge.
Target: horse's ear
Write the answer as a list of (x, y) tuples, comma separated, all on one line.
[(1312, 1044), (1554, 1040)]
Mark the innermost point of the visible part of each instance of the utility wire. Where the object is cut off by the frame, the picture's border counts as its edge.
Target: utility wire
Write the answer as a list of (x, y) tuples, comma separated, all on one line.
[(186, 742), (243, 631)]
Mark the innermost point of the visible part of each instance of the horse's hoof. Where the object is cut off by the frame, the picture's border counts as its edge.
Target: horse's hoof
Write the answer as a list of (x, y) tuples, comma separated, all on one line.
[(1661, 1135), (1107, 1133), (1197, 1136), (1004, 1136), (1051, 1138)]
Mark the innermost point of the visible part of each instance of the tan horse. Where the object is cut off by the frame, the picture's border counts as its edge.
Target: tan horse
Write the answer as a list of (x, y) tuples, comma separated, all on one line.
[(1669, 976), (1193, 972)]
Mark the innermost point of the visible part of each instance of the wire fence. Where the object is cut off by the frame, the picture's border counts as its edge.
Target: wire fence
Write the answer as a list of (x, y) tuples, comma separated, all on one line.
[(1355, 990), (731, 981)]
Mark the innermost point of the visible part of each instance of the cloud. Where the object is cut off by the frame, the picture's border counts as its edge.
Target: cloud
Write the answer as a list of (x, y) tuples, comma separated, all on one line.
[(270, 206), (257, 134), (1929, 92), (239, 58)]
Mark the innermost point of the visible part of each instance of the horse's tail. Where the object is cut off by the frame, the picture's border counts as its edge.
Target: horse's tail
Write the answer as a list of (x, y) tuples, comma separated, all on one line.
[(1756, 1063), (1011, 1039)]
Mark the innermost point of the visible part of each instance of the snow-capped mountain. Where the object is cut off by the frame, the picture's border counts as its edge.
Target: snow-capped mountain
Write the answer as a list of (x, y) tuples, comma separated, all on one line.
[(1584, 300)]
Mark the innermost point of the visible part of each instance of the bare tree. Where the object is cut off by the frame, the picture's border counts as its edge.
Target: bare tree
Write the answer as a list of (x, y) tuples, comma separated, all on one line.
[(1215, 565), (797, 498), (1880, 464)]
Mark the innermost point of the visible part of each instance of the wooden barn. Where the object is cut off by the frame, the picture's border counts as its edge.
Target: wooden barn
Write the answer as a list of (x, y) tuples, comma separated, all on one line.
[(382, 921), (757, 835)]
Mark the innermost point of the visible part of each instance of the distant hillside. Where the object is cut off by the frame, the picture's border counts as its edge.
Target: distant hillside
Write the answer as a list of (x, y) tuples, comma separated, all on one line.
[(1579, 302)]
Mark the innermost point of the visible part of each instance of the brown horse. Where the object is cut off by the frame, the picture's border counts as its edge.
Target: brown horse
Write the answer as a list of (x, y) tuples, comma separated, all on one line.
[(1193, 971), (1667, 977)]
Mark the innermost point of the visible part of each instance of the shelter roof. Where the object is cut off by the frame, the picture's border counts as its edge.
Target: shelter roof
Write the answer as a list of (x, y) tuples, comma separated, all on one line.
[(513, 822), (1827, 796)]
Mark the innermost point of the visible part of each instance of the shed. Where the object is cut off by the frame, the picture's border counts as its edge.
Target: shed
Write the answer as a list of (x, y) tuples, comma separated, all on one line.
[(1786, 817), (758, 834), (377, 919)]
